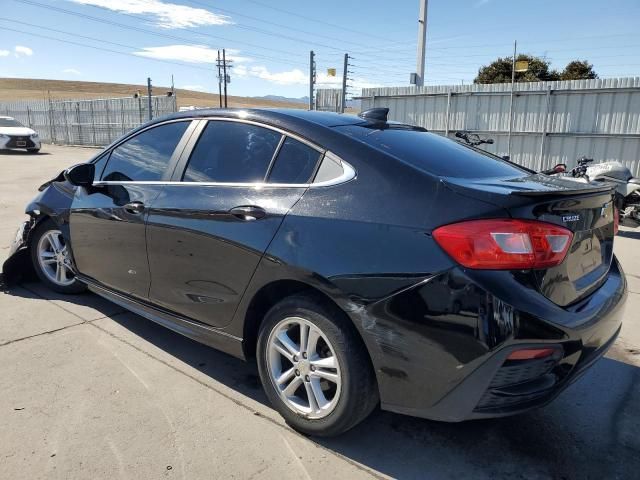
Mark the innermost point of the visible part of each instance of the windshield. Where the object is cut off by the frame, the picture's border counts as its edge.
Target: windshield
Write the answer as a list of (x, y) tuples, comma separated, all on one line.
[(9, 122), (433, 153)]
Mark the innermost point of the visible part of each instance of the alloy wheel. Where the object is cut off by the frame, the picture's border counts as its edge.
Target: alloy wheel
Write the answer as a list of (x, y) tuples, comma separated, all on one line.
[(303, 367), (54, 258)]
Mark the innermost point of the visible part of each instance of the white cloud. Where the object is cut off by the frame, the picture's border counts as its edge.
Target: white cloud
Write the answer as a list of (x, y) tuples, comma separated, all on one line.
[(4, 53), (189, 54), (164, 14), (197, 88), (73, 71), (22, 50), (481, 3), (291, 77)]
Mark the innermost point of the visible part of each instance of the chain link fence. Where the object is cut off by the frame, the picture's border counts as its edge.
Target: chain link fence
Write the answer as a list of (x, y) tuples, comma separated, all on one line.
[(95, 122)]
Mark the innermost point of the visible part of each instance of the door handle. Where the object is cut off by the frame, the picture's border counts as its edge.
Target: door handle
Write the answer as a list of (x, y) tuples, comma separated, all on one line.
[(134, 207), (248, 213)]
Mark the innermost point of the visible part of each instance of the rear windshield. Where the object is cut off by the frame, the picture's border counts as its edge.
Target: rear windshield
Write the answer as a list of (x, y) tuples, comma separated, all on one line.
[(9, 122), (433, 153)]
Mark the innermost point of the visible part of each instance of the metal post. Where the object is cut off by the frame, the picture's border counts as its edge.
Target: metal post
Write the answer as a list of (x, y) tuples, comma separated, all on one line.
[(545, 127), (312, 77), (28, 116), (224, 72), (93, 122), (66, 123), (513, 79), (140, 108), (344, 82), (149, 97), (219, 81), (422, 40), (78, 123), (106, 112), (446, 123), (122, 115)]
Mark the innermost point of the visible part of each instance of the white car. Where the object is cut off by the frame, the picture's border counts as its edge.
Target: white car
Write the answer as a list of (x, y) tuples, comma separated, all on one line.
[(15, 135)]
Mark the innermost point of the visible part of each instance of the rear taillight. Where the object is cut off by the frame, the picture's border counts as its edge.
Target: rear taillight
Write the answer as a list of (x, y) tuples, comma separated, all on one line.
[(531, 353), (504, 244), (616, 220)]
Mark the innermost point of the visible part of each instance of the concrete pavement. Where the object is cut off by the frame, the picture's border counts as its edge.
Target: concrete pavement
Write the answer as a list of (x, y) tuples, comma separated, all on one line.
[(90, 391)]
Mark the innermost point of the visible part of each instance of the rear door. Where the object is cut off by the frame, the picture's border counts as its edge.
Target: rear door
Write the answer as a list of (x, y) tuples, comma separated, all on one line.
[(107, 220), (209, 227)]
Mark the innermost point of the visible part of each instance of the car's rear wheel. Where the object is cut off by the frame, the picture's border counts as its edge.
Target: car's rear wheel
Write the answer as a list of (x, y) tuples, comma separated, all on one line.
[(51, 259), (314, 367)]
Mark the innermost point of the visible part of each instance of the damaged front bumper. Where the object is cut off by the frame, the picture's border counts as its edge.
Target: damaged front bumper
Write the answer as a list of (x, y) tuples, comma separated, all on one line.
[(18, 264)]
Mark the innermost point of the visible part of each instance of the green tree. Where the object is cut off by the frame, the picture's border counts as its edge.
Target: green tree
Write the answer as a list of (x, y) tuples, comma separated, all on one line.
[(578, 70), (499, 71)]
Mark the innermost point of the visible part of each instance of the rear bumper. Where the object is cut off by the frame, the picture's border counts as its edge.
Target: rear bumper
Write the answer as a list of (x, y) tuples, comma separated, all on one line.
[(440, 349)]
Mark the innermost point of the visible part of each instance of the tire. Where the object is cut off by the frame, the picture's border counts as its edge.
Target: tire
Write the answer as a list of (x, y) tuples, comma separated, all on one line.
[(42, 250), (33, 150), (347, 399)]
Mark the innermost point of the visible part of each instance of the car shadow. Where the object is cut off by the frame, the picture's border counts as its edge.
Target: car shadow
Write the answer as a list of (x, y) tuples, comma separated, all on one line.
[(589, 431), (23, 152)]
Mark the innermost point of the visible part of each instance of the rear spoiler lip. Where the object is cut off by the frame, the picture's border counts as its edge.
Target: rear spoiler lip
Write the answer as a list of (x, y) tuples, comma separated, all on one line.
[(577, 191), (545, 187)]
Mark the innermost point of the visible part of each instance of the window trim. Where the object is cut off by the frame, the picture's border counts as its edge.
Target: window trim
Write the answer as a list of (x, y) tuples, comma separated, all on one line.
[(173, 160), (197, 127)]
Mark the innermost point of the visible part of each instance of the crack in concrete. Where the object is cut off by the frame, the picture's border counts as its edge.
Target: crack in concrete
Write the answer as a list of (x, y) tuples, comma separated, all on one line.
[(191, 377)]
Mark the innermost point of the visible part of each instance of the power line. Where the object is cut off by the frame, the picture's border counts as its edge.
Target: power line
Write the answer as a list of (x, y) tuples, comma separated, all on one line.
[(105, 49), (158, 34), (311, 19), (288, 27)]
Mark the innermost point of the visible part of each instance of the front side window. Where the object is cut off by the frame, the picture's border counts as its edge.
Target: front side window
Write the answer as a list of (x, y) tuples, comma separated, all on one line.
[(232, 152), (295, 163), (145, 157)]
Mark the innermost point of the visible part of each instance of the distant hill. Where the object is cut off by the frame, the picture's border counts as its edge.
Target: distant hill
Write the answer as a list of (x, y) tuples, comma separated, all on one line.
[(278, 98), (27, 88)]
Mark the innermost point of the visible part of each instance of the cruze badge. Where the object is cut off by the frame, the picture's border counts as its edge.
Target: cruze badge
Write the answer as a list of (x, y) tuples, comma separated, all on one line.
[(570, 218)]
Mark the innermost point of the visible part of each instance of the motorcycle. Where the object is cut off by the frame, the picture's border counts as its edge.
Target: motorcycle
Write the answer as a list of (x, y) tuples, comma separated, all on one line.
[(473, 139), (627, 191)]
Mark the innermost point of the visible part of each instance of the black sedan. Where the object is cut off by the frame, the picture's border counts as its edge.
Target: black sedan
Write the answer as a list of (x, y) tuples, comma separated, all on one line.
[(359, 261)]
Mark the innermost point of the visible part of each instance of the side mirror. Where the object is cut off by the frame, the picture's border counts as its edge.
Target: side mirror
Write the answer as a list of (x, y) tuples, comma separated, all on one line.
[(560, 168), (506, 157), (80, 175), (489, 141)]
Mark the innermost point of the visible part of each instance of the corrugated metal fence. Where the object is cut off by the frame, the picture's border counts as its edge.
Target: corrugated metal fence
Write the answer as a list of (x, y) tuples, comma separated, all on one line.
[(328, 99), (86, 122), (551, 122)]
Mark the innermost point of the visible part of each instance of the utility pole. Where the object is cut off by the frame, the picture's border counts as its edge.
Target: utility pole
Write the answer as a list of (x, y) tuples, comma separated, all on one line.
[(224, 72), (149, 90), (422, 40), (513, 80), (312, 77), (219, 80), (344, 82)]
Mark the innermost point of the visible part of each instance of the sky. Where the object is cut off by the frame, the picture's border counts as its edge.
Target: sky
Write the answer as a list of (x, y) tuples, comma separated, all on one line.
[(126, 41)]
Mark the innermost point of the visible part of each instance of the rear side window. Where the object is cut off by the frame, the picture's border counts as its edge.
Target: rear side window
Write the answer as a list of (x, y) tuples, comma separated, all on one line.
[(295, 163), (232, 152), (433, 153), (144, 157)]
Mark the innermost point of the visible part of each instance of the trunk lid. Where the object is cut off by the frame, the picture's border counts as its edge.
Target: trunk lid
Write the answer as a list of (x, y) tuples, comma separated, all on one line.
[(584, 208)]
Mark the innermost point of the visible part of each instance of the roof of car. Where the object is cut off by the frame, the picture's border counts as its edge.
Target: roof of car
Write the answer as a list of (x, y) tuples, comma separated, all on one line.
[(326, 119)]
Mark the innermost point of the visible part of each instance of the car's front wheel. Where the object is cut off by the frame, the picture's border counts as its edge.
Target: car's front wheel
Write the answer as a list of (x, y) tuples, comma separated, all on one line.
[(314, 367), (33, 150), (51, 259)]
